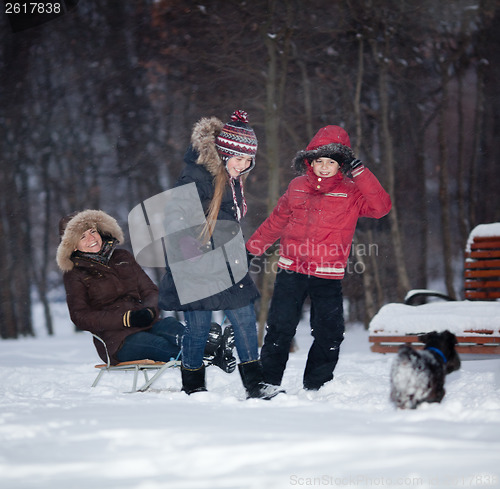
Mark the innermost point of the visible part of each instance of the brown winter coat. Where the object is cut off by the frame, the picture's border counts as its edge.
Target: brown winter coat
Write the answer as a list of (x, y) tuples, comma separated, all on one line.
[(98, 294)]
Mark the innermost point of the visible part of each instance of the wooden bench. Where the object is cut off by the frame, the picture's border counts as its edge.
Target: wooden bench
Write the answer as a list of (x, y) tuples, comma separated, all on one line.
[(136, 366), (482, 269), (479, 313)]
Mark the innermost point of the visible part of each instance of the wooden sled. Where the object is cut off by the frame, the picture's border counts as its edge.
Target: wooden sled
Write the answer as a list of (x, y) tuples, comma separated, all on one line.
[(136, 366)]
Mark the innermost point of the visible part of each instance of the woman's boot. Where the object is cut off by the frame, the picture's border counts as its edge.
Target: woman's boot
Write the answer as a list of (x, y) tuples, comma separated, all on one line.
[(193, 380), (251, 375), (224, 357), (214, 342)]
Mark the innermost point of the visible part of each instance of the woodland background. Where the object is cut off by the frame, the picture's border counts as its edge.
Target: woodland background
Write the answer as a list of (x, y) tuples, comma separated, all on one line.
[(97, 106)]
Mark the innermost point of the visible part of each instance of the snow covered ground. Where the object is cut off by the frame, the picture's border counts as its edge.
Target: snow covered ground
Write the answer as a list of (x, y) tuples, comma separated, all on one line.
[(57, 432)]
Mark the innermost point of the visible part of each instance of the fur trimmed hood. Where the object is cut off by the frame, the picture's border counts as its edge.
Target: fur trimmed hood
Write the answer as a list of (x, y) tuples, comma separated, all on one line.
[(203, 140), (330, 142), (72, 227)]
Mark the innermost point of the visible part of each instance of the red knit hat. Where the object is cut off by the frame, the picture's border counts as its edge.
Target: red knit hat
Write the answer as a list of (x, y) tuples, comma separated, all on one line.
[(237, 138)]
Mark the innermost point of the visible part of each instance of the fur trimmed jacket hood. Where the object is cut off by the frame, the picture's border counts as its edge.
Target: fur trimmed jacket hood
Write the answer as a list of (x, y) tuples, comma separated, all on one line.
[(330, 142), (203, 141), (73, 226)]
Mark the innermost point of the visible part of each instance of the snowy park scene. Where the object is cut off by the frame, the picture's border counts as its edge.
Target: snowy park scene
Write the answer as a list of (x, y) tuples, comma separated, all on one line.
[(249, 244)]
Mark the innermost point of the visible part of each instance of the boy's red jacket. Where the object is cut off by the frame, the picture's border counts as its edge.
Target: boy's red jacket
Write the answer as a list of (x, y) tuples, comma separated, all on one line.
[(315, 221)]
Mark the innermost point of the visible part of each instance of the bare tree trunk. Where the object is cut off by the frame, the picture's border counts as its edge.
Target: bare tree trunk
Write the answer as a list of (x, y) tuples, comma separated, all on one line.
[(40, 270), (422, 225), (308, 106), (357, 94), (417, 126), (370, 302), (272, 150), (478, 135), (20, 224), (7, 316), (387, 152), (275, 91), (15, 243), (444, 199), (463, 225)]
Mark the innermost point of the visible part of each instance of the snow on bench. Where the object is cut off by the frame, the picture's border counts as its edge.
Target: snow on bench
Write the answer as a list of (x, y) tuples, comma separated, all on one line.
[(475, 321)]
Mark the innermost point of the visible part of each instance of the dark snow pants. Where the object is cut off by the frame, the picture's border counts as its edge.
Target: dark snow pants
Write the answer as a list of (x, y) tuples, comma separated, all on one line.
[(327, 326)]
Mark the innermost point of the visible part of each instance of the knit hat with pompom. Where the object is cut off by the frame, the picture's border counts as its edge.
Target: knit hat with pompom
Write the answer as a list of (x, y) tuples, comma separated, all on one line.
[(237, 138)]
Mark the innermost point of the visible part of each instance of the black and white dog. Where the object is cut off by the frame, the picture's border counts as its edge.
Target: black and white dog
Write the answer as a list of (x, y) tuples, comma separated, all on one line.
[(418, 376)]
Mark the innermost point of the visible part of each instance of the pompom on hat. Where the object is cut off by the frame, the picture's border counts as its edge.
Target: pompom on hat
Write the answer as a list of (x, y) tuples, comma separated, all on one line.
[(331, 142), (237, 138)]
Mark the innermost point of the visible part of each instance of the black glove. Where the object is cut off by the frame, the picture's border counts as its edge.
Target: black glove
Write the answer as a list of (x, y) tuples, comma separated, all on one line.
[(348, 167), (138, 319), (341, 158)]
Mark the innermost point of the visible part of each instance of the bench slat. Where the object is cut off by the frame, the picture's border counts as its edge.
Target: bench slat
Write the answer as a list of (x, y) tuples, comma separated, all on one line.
[(483, 254), (478, 239), (473, 338), (482, 284), (468, 265), (488, 344), (484, 296), (482, 273), (487, 244), (461, 349)]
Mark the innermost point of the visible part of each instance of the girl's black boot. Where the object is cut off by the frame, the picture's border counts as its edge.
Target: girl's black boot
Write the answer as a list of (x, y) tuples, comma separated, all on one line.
[(193, 380)]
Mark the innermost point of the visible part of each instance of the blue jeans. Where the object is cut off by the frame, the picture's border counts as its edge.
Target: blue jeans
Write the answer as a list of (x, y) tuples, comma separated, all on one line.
[(198, 327), (160, 343)]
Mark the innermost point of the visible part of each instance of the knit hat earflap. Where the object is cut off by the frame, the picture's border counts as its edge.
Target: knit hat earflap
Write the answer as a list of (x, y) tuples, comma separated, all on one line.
[(237, 138)]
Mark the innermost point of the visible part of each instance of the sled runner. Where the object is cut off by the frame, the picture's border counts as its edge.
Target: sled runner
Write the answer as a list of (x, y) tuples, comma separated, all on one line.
[(475, 321), (136, 366)]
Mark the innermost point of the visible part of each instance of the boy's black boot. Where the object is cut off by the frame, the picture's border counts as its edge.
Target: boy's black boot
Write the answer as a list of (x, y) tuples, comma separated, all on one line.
[(193, 380), (213, 343), (224, 358), (252, 378)]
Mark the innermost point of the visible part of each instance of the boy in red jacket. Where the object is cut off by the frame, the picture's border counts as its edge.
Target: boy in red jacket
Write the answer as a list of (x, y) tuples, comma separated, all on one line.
[(315, 221)]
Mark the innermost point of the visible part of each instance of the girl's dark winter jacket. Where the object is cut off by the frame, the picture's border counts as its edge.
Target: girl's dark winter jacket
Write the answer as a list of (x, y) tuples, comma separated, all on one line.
[(98, 294), (202, 163)]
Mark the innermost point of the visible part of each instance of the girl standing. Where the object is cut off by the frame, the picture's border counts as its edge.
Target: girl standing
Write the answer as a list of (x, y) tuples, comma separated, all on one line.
[(217, 161)]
